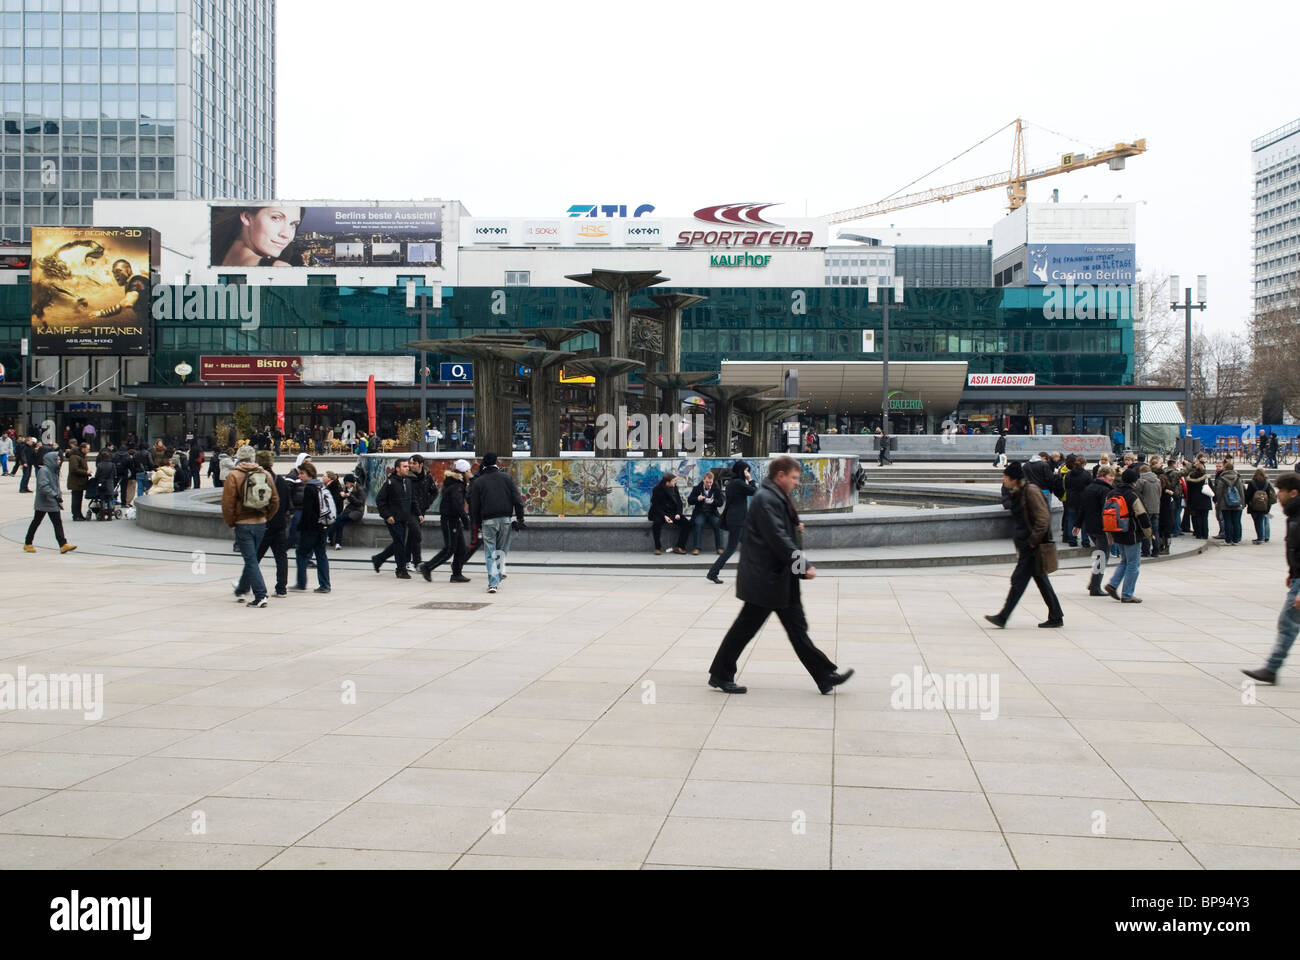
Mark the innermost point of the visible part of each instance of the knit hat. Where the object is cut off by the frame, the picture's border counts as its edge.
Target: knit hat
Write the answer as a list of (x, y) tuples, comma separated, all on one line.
[(488, 460), (245, 453), (1130, 476), (461, 466), (1015, 470), (738, 468)]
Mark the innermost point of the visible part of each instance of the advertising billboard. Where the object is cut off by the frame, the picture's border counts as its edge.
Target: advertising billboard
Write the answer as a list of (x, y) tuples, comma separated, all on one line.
[(91, 289), (1094, 263), (283, 234)]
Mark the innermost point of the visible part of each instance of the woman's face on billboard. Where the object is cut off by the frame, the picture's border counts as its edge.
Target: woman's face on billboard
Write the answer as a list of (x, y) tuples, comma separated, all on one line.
[(270, 229)]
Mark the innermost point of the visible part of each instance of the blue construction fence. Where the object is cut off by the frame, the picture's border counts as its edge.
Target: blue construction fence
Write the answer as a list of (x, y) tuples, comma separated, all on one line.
[(1228, 436)]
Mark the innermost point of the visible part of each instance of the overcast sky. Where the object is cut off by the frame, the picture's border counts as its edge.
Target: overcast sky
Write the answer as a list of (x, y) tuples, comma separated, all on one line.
[(522, 109)]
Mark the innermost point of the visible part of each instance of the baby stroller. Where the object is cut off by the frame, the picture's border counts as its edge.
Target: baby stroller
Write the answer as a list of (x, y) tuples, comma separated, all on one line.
[(101, 494)]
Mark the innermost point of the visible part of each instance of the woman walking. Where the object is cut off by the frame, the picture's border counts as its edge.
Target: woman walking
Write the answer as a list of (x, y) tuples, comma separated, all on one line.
[(48, 502), (1260, 497)]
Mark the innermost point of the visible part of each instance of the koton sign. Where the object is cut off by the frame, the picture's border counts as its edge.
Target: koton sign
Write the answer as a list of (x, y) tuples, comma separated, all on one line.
[(246, 369), (1001, 379), (490, 231)]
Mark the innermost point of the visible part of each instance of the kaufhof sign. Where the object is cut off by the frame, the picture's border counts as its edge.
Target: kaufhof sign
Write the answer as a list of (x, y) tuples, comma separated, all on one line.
[(1001, 379), (743, 225)]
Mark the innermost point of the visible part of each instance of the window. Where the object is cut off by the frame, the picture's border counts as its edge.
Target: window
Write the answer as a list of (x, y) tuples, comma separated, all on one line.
[(517, 278), (321, 280), (232, 278)]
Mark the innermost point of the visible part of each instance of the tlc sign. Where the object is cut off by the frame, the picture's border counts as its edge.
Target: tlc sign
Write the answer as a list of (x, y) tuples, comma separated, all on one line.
[(608, 210)]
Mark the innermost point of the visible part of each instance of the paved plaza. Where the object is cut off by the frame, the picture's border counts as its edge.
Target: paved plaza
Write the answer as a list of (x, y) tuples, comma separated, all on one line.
[(566, 721)]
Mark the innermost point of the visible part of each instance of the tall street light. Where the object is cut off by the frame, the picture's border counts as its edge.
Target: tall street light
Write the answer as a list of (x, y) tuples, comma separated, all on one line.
[(1187, 307), (884, 303), (422, 305)]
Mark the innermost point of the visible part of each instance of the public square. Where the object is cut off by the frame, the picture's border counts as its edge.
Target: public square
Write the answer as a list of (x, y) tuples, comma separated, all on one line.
[(565, 722)]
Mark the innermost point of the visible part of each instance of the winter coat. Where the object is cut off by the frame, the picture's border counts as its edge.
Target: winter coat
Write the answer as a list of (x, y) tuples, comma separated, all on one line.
[(1001, 445), (769, 549), (159, 455), (312, 491), (164, 480), (278, 519), (1196, 498), (698, 495), (78, 471), (665, 503), (736, 501), (1292, 514), (1091, 504), (227, 465), (426, 490), (1148, 488), (354, 502), (1251, 489), (233, 510), (1141, 522), (396, 499), (1076, 481), (1043, 475), (454, 506), (494, 494), (1229, 478), (48, 496), (1031, 517)]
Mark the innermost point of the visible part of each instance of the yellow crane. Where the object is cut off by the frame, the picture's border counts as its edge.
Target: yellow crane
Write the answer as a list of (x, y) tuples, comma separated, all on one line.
[(1016, 180)]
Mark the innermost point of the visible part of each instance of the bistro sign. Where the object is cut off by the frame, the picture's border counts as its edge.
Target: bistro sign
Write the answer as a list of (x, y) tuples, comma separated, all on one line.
[(249, 369)]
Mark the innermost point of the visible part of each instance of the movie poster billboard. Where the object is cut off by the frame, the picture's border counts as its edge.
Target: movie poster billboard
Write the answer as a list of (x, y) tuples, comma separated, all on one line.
[(283, 234), (91, 289)]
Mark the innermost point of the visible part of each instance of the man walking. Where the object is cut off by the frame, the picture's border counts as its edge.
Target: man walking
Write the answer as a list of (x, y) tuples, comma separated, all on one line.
[(276, 538), (771, 565), (1031, 520), (27, 459), (453, 513), (1092, 501), (247, 499), (318, 513), (48, 502), (493, 497), (397, 505), (1288, 621), (425, 490), (734, 512)]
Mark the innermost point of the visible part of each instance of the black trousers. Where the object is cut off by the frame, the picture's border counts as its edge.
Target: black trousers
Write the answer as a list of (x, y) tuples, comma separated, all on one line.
[(733, 541), (682, 526), (55, 519), (277, 541), (77, 497), (453, 547), (751, 620), (1026, 570), (1201, 524), (414, 538), (403, 534)]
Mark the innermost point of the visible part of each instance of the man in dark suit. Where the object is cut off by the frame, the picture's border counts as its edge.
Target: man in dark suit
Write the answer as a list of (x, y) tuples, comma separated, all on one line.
[(739, 489), (771, 565)]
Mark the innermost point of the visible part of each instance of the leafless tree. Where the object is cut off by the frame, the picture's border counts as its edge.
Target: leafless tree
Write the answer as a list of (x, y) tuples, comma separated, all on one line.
[(1223, 389), (1276, 341), (1157, 331)]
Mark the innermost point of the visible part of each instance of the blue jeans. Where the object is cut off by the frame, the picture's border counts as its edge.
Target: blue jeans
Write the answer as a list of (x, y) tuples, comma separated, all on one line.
[(313, 542), (142, 483), (1071, 521), (1231, 526), (1130, 559), (1262, 525), (248, 537), (698, 523), (1288, 624), (4, 463), (496, 541)]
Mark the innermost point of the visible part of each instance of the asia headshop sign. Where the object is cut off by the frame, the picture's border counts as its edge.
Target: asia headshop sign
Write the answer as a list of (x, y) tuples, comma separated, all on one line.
[(92, 289), (292, 235), (1097, 263)]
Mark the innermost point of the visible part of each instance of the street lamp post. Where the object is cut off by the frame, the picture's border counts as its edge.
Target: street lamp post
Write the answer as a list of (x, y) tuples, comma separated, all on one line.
[(1187, 307), (422, 305), (885, 304)]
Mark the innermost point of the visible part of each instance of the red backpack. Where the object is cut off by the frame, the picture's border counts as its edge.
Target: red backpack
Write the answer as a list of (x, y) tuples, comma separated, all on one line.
[(1115, 516)]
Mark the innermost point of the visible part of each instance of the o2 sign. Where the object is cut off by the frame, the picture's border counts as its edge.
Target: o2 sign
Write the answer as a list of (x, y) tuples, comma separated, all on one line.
[(456, 372)]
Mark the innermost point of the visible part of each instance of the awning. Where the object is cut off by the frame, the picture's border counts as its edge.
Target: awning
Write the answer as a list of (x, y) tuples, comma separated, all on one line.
[(1160, 411), (856, 386)]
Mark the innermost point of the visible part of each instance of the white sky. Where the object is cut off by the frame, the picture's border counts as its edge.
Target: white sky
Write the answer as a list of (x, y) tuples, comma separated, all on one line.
[(521, 109)]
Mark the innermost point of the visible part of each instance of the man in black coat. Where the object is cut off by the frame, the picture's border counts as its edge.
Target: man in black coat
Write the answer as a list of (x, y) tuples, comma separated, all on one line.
[(398, 506), (493, 497), (771, 565), (736, 505), (1092, 501), (453, 512), (1031, 525), (705, 498), (276, 538), (425, 490)]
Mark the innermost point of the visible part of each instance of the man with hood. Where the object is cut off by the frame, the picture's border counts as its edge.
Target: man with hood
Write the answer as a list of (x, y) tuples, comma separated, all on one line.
[(248, 498), (1230, 498), (493, 497), (740, 487), (1031, 525), (453, 512), (397, 505), (276, 538), (772, 563), (48, 502)]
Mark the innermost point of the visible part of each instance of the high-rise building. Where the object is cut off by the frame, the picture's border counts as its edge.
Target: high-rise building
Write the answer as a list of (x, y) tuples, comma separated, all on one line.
[(1277, 217), (156, 99)]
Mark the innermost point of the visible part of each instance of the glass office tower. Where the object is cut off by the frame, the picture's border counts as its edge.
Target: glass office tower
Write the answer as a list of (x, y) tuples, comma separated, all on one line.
[(132, 98)]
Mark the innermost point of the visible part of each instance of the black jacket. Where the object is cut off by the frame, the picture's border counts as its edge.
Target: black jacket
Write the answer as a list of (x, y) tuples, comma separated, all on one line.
[(739, 490), (1196, 497), (1001, 445), (494, 494), (453, 504), (769, 549), (1292, 513), (310, 520), (426, 490), (1091, 503), (280, 519), (697, 497), (665, 503), (396, 499), (1043, 474), (1076, 481)]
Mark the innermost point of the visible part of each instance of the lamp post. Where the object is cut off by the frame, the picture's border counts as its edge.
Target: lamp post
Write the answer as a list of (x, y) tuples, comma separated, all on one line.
[(422, 305), (1187, 307), (885, 304)]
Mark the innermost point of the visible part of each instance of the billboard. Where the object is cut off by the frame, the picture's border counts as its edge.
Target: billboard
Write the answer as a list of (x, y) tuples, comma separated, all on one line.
[(282, 234), (243, 369), (91, 289), (1094, 263)]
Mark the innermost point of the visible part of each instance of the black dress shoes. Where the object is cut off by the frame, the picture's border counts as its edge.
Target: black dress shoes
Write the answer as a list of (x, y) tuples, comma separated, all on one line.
[(834, 680), (1052, 623), (727, 686), (713, 578), (1262, 675), (997, 620)]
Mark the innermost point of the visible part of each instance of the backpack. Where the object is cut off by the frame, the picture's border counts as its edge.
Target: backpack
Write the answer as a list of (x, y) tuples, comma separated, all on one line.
[(1259, 501), (257, 491), (1232, 497), (1115, 517), (329, 511), (182, 479)]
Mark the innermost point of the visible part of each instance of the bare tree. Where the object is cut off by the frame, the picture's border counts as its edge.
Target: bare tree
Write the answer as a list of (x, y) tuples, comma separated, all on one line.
[(1223, 389), (1276, 340), (1157, 330)]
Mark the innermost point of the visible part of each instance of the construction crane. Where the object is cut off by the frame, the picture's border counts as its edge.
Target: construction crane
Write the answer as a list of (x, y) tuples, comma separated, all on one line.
[(1016, 180)]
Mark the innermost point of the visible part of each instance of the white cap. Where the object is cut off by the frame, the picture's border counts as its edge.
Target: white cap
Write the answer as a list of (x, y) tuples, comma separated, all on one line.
[(301, 457), (461, 466)]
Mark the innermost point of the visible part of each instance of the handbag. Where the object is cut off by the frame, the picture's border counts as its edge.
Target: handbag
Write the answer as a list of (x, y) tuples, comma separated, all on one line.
[(1045, 556)]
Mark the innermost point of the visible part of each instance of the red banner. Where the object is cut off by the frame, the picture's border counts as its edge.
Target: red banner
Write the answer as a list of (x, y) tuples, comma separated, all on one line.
[(246, 369), (279, 403), (370, 403)]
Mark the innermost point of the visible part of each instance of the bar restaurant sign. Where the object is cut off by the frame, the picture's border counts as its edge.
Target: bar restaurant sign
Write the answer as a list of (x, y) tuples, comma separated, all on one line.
[(249, 369)]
